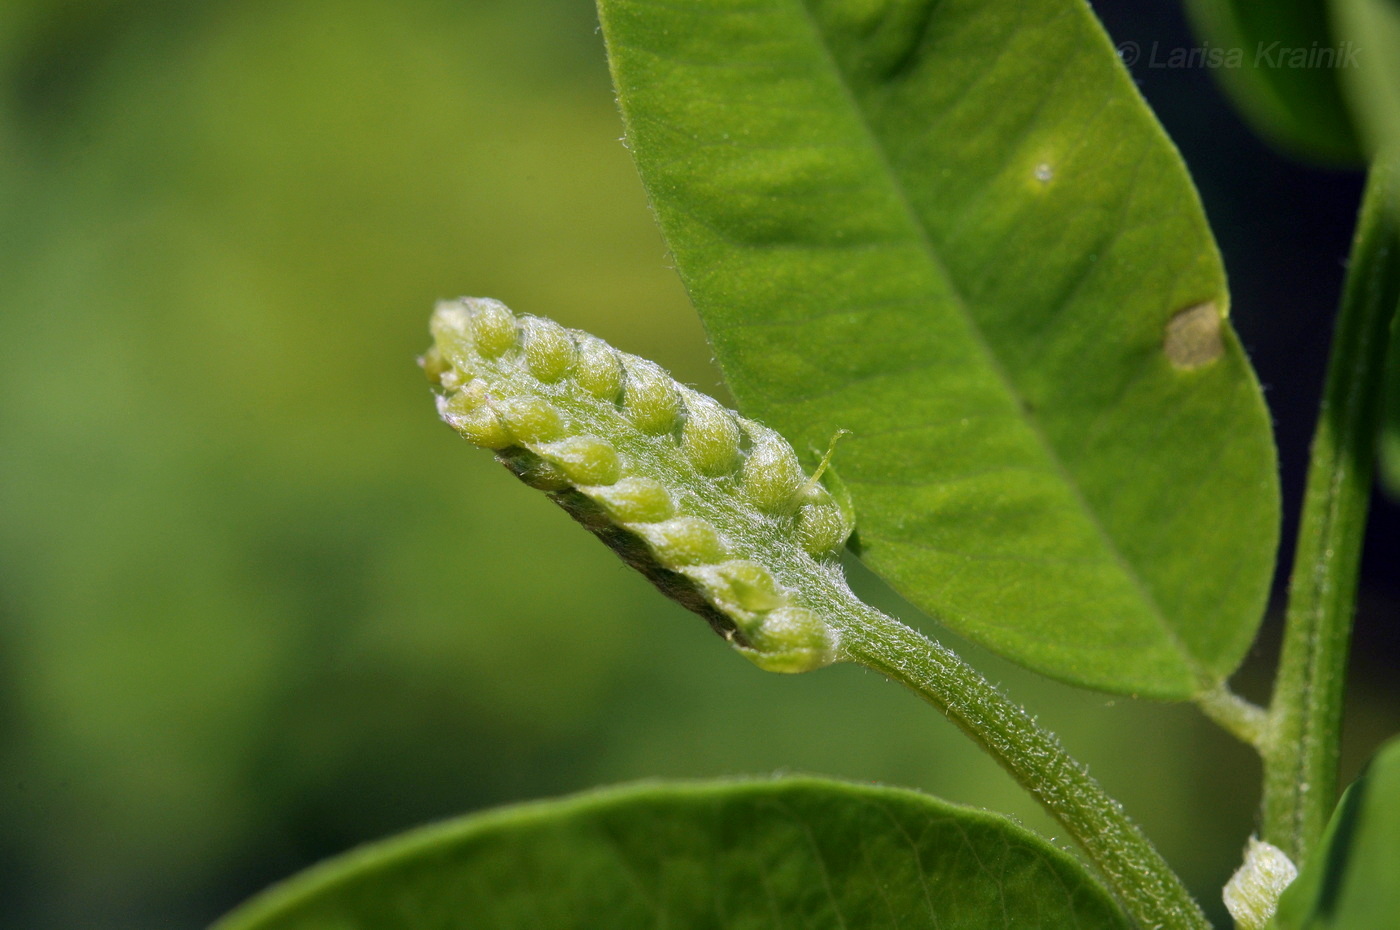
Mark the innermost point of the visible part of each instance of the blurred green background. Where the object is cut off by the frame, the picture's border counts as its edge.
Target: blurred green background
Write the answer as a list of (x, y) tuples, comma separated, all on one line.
[(256, 604)]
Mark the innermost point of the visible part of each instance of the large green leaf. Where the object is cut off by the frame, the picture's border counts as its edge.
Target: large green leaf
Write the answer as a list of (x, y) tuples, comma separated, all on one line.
[(767, 854), (954, 229), (1350, 883), (1280, 64)]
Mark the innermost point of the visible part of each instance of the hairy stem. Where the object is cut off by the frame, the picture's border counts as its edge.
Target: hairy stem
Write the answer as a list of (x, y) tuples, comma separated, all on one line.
[(1148, 888), (1243, 720), (1300, 756)]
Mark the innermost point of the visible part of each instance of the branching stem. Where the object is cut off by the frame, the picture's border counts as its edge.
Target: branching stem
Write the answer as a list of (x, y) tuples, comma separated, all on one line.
[(1246, 721)]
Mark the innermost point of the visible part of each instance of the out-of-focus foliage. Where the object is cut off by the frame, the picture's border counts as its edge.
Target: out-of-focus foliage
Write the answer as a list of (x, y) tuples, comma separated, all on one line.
[(1374, 87), (1299, 109), (256, 604)]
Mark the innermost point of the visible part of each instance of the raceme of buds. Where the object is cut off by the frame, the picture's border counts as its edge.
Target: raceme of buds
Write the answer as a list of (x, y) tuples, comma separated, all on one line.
[(714, 508)]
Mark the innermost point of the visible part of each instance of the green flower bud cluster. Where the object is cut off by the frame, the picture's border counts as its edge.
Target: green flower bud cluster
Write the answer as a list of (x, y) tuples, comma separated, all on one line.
[(714, 508)]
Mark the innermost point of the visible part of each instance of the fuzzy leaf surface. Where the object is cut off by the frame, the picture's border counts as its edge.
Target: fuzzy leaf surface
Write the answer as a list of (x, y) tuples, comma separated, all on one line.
[(738, 855), (954, 229)]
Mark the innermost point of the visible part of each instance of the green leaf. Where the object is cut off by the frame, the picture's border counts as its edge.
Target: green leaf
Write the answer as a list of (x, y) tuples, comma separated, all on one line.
[(1280, 64), (955, 229), (765, 854), (1349, 881)]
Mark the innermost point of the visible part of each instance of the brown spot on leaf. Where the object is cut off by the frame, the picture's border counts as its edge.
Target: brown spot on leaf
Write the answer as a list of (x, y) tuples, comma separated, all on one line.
[(1193, 337)]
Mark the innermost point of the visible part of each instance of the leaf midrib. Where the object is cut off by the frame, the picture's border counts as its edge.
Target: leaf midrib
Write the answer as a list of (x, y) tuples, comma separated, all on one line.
[(928, 249)]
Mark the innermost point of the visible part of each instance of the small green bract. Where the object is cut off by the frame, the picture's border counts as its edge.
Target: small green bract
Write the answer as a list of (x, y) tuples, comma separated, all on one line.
[(714, 508)]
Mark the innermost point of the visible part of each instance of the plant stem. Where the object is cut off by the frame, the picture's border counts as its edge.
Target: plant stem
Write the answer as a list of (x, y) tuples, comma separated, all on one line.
[(1245, 721), (1300, 755), (1147, 887)]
